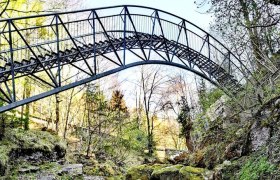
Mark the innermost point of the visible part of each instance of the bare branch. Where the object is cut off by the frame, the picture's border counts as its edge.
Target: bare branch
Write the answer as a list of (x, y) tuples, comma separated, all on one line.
[(5, 8)]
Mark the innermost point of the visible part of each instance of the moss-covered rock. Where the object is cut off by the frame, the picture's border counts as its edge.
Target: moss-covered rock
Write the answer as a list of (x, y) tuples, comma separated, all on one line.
[(143, 172), (34, 141), (96, 168), (115, 178), (191, 173), (30, 146), (5, 150), (167, 173)]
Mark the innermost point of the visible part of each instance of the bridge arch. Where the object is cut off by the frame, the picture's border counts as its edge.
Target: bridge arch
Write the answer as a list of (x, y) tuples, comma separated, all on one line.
[(123, 36)]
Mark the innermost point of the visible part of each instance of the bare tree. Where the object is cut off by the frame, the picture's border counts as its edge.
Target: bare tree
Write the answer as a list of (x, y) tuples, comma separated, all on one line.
[(151, 84)]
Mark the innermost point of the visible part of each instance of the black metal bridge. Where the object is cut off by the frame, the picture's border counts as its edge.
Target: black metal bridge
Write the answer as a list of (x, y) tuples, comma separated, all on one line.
[(64, 50)]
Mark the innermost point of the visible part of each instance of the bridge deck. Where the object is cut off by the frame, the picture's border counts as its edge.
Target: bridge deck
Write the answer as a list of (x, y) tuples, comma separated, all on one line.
[(187, 55)]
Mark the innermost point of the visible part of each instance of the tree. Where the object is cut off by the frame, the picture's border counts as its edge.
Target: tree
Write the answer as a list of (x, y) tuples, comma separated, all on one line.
[(151, 84), (95, 105), (17, 8), (202, 94), (117, 102), (117, 105), (184, 119), (68, 112), (249, 28)]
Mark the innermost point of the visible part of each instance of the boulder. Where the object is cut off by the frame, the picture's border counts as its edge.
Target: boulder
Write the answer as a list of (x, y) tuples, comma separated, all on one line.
[(94, 178), (72, 169), (143, 172), (30, 146), (179, 157), (167, 173), (29, 169), (46, 177), (192, 173)]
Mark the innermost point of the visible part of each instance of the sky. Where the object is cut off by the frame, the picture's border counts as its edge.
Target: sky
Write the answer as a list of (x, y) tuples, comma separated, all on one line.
[(183, 8)]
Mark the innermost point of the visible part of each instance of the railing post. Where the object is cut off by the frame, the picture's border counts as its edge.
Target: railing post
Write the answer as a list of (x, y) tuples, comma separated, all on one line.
[(124, 35), (94, 41), (153, 30), (57, 46), (187, 38), (208, 46), (209, 53), (229, 64), (12, 59)]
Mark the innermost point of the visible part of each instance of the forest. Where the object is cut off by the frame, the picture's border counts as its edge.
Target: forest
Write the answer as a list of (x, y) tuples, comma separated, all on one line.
[(149, 121)]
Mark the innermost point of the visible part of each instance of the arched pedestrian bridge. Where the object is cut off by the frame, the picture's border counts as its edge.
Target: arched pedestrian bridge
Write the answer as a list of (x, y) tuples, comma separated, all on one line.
[(64, 50)]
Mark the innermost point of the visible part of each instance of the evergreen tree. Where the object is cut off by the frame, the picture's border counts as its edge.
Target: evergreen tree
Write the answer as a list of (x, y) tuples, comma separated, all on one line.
[(95, 107), (202, 94), (117, 102), (118, 108), (184, 119)]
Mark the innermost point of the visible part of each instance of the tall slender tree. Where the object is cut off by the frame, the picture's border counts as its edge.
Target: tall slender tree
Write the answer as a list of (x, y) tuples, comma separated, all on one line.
[(184, 118), (248, 27)]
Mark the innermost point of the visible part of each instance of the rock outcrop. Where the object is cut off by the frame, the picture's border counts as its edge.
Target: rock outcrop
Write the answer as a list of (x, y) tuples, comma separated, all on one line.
[(34, 147)]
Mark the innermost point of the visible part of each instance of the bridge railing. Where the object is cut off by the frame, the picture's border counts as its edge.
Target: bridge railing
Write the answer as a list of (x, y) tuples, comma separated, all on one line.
[(30, 38)]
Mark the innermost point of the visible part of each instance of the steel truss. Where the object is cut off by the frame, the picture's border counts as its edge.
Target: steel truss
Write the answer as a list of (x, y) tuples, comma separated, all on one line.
[(86, 38)]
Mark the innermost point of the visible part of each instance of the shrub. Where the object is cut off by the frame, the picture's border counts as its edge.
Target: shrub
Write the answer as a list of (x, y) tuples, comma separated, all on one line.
[(256, 168)]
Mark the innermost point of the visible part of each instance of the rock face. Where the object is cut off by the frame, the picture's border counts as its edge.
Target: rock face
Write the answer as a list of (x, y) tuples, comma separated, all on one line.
[(218, 109), (265, 132), (259, 136)]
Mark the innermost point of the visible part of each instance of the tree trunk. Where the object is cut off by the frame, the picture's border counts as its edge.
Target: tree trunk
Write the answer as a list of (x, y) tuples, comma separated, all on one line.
[(188, 139), (27, 87), (189, 142), (90, 134), (68, 113), (57, 101), (2, 127), (253, 34)]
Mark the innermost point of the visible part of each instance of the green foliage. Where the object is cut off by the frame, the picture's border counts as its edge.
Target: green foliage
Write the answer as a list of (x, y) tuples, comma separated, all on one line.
[(13, 119), (184, 116), (137, 139), (209, 98), (255, 168), (95, 99)]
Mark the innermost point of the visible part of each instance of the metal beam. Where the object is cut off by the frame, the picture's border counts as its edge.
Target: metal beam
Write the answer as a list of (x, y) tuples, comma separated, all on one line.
[(98, 76)]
